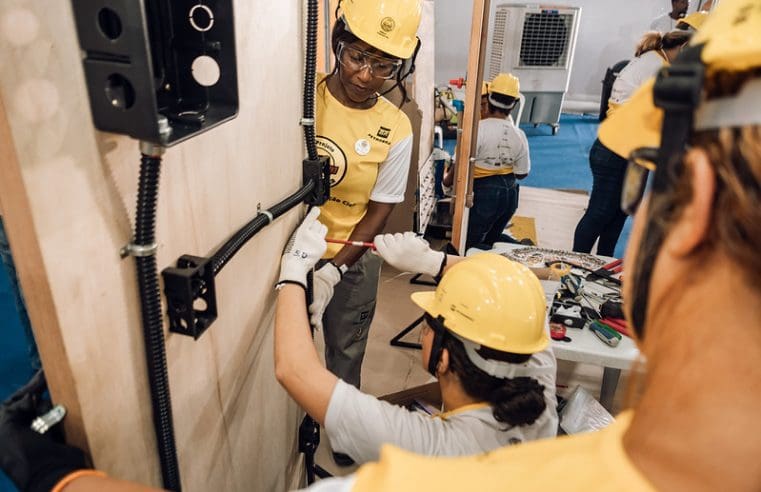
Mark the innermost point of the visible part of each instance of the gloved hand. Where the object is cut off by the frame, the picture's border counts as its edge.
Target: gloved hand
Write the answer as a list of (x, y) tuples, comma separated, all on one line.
[(34, 462), (325, 279), (409, 253), (304, 249)]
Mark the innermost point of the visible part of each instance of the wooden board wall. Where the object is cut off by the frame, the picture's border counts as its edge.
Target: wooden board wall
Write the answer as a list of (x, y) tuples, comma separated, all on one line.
[(68, 195)]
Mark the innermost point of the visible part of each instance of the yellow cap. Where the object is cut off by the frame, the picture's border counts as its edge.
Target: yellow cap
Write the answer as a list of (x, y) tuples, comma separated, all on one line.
[(505, 84), (732, 37), (388, 25), (491, 301), (694, 20)]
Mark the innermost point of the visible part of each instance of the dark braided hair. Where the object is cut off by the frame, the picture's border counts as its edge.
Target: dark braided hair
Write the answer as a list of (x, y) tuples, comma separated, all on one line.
[(515, 401)]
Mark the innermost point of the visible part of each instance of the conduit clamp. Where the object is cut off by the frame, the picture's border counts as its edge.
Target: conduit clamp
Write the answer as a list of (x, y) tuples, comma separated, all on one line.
[(306, 122), (138, 250), (268, 214)]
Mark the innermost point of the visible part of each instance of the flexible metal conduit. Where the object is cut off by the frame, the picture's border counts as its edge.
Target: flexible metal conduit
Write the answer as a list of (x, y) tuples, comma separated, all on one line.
[(310, 64), (236, 242), (150, 308)]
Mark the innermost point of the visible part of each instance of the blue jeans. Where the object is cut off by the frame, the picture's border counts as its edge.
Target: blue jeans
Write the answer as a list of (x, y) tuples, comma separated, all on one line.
[(495, 200), (7, 262), (604, 218)]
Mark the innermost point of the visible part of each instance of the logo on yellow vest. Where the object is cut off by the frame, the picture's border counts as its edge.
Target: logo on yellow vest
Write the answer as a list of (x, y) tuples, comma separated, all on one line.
[(326, 146)]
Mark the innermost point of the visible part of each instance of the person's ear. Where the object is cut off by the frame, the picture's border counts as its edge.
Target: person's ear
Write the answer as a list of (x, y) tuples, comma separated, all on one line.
[(689, 231), (443, 366)]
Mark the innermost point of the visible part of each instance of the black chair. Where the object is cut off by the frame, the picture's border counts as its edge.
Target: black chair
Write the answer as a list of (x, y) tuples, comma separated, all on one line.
[(607, 85)]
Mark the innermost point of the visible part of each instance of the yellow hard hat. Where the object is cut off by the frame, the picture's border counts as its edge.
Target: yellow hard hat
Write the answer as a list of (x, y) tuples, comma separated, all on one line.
[(694, 20), (388, 25), (505, 84), (491, 301), (731, 42)]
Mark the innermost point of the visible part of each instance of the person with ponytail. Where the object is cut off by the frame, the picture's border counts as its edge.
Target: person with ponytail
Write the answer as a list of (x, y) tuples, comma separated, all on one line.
[(369, 142), (484, 339), (604, 220)]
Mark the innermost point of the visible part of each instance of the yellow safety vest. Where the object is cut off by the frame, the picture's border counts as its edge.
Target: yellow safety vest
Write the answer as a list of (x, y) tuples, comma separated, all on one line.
[(357, 142)]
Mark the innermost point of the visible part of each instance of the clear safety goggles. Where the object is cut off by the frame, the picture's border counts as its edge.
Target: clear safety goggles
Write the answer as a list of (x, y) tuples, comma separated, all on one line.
[(641, 162), (356, 60)]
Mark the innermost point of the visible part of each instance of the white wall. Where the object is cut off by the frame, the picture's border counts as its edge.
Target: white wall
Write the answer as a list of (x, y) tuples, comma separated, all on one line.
[(608, 33)]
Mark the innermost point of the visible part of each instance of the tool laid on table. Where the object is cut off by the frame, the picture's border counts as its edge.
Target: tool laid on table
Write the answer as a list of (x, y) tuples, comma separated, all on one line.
[(360, 244), (608, 335), (617, 324)]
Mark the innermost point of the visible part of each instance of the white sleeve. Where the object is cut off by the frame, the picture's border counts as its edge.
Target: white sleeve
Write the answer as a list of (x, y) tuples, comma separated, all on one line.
[(522, 164), (392, 173), (358, 424)]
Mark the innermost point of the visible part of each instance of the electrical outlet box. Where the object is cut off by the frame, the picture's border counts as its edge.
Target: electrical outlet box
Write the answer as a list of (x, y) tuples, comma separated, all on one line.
[(158, 70)]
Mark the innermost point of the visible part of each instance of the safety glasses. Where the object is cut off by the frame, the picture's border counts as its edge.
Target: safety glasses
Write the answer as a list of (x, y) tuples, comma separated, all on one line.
[(356, 60), (641, 162)]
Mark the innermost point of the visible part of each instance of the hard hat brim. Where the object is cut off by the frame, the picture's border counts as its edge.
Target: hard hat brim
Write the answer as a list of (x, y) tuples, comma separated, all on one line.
[(424, 300), (637, 123), (427, 302)]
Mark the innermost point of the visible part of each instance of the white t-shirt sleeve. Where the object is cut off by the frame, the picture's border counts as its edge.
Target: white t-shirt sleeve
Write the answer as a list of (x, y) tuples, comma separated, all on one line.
[(392, 173), (358, 424), (522, 164)]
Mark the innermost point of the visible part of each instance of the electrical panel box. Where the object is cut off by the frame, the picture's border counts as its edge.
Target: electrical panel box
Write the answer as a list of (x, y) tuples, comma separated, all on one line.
[(158, 70)]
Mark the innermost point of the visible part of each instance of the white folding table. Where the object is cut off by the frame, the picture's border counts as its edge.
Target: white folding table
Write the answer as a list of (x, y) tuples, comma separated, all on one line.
[(584, 345)]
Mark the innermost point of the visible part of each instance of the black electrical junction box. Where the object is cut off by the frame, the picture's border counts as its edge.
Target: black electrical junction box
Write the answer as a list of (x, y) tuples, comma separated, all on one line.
[(190, 295), (317, 171), (160, 71)]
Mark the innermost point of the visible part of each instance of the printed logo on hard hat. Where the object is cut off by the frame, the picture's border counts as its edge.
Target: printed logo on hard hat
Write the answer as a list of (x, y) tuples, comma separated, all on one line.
[(387, 24), (326, 146)]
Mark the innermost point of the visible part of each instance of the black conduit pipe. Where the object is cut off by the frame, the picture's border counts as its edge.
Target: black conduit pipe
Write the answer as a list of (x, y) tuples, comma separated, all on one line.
[(309, 80), (225, 253), (309, 430), (144, 248)]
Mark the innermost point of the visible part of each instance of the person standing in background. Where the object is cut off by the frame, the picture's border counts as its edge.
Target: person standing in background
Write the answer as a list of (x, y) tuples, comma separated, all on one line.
[(667, 22), (604, 220)]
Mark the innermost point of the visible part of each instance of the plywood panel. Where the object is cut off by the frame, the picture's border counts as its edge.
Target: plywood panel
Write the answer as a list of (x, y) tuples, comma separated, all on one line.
[(235, 427)]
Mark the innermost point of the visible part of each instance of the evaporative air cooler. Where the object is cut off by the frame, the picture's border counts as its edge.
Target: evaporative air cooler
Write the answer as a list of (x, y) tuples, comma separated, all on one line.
[(536, 43)]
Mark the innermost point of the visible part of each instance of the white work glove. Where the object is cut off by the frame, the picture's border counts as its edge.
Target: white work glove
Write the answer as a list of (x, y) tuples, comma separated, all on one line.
[(324, 280), (410, 253), (304, 249)]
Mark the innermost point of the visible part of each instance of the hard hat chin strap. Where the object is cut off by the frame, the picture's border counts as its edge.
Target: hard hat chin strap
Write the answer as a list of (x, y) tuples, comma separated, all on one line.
[(501, 369), (677, 90)]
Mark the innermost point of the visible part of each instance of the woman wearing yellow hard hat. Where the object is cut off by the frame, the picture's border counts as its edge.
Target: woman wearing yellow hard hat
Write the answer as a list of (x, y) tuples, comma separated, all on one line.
[(603, 219), (692, 294), (502, 158), (369, 142), (484, 339)]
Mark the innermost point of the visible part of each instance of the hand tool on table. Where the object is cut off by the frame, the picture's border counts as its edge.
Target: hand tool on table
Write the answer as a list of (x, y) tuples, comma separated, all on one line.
[(607, 271), (360, 244), (617, 324), (606, 334)]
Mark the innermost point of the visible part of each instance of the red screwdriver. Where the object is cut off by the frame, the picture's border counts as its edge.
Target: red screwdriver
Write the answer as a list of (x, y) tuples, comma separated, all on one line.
[(360, 244)]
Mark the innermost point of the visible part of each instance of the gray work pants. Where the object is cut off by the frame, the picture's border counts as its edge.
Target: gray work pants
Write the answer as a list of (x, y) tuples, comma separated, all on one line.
[(348, 316)]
